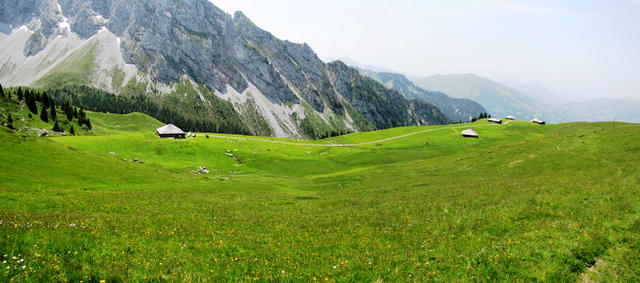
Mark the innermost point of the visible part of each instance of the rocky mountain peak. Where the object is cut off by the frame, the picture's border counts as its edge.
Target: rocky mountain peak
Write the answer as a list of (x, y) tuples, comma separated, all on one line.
[(279, 87)]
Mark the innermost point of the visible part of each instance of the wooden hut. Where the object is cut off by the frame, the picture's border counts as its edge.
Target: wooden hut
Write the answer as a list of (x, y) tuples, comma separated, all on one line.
[(538, 121), (469, 133), (510, 117), (170, 131), (495, 120)]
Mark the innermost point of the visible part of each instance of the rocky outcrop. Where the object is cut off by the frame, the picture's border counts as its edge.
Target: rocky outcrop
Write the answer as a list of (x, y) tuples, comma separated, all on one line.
[(36, 43)]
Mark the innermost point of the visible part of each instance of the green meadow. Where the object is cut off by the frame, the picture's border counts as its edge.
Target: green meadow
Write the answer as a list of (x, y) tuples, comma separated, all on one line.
[(523, 202)]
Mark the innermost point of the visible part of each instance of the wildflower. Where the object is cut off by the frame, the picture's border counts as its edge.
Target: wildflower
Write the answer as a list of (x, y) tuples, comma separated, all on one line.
[(24, 266), (283, 272)]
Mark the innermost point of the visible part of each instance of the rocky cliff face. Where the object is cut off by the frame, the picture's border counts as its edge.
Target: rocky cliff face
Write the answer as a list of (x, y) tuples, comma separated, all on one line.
[(191, 53)]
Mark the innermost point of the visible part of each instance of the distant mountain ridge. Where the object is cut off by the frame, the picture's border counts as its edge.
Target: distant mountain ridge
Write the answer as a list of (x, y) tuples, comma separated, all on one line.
[(456, 109), (605, 109), (191, 57), (499, 99)]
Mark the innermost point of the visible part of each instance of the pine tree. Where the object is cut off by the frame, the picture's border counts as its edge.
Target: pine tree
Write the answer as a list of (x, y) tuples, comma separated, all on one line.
[(56, 128), (68, 110), (81, 114), (43, 114), (1, 91), (75, 112), (10, 122), (31, 102), (44, 99), (72, 131), (20, 94), (53, 112)]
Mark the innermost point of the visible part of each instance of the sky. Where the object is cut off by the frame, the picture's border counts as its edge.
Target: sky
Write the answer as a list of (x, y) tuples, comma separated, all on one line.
[(580, 49)]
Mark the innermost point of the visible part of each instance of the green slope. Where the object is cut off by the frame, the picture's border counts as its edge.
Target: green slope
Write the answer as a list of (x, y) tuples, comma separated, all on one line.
[(523, 202), (104, 123)]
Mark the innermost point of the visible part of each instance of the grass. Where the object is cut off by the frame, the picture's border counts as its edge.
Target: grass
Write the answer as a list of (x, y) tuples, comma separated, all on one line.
[(521, 203), (74, 71)]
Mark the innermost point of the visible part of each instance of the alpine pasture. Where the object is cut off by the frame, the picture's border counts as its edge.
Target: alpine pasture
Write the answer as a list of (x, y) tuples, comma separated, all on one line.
[(523, 202)]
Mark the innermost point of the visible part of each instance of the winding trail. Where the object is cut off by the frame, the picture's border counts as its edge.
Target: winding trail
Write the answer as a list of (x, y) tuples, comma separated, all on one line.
[(357, 144)]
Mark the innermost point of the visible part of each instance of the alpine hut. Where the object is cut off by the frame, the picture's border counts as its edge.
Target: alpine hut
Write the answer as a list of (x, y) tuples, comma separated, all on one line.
[(469, 133), (170, 131), (495, 120), (510, 117), (538, 121)]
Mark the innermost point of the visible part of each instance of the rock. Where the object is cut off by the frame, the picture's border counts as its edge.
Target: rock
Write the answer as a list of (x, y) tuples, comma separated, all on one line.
[(36, 43), (112, 153)]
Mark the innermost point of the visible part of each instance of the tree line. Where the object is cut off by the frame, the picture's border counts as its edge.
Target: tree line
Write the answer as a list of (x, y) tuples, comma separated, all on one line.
[(483, 115), (48, 108), (101, 101)]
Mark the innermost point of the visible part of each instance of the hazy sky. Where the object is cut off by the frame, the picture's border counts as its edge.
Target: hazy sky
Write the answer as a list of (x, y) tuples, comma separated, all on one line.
[(581, 49)]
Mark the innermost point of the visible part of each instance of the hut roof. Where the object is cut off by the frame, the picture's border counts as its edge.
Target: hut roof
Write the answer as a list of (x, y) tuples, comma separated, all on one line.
[(495, 120), (169, 129), (536, 120), (469, 132), (510, 117)]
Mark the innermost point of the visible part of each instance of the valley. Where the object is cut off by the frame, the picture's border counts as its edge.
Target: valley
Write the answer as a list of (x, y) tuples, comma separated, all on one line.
[(522, 202), (177, 140)]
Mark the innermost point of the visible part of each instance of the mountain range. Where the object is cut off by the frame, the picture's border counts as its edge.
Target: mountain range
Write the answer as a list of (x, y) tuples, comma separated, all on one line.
[(456, 109), (500, 100), (191, 57)]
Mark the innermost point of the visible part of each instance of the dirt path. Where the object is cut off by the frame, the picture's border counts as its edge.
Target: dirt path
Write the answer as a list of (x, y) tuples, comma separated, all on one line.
[(355, 144)]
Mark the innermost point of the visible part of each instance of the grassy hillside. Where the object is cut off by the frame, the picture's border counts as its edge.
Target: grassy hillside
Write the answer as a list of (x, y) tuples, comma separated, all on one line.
[(522, 203), (31, 123), (105, 123)]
